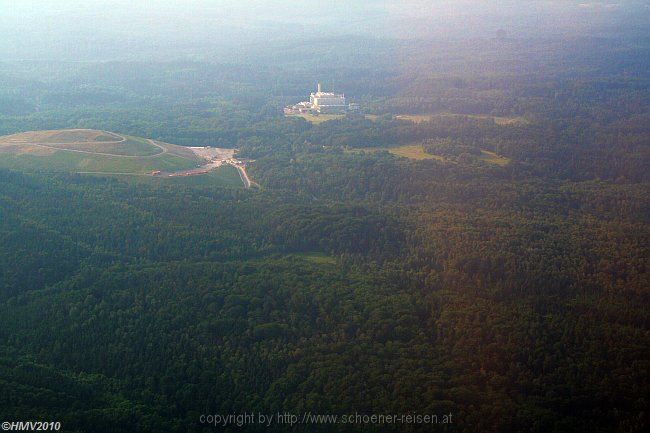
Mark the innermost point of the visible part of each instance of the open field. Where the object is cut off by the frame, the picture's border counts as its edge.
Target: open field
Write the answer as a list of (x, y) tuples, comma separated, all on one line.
[(416, 152), (413, 151), (418, 118), (106, 153)]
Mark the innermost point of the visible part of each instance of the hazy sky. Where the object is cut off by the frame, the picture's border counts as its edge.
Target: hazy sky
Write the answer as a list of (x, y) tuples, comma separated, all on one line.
[(96, 29)]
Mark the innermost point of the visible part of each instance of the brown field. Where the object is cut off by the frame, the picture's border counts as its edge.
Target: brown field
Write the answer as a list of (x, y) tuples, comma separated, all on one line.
[(25, 149), (504, 121), (413, 151), (416, 152)]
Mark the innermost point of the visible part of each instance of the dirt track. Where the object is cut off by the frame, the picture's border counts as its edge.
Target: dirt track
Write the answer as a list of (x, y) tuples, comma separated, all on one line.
[(243, 175), (216, 157)]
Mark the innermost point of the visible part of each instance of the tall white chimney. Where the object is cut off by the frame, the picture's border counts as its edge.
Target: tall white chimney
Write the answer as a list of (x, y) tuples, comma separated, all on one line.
[(318, 87)]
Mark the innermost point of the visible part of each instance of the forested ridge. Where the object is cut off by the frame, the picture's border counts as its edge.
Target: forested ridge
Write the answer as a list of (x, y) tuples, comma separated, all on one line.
[(502, 276)]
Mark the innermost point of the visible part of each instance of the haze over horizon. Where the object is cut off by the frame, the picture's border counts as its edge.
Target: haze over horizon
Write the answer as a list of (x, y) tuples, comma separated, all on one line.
[(100, 30)]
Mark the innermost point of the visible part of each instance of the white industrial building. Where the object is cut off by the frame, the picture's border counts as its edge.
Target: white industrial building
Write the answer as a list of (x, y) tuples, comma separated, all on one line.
[(327, 102), (322, 102)]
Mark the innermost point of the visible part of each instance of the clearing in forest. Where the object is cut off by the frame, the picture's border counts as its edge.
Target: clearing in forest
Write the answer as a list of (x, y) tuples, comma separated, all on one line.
[(89, 151)]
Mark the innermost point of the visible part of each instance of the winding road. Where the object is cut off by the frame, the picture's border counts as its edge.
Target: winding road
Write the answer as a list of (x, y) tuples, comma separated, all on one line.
[(243, 175)]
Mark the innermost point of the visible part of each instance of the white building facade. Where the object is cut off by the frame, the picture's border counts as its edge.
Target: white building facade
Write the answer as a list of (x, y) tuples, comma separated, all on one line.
[(322, 102), (327, 102)]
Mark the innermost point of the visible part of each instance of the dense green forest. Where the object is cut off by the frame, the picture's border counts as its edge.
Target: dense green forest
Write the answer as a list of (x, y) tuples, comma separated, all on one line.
[(514, 295)]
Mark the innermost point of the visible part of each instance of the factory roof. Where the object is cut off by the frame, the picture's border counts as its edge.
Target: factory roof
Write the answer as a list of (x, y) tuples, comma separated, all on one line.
[(327, 94)]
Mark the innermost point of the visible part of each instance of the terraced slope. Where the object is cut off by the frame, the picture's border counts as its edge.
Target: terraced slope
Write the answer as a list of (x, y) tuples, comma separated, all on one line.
[(92, 151)]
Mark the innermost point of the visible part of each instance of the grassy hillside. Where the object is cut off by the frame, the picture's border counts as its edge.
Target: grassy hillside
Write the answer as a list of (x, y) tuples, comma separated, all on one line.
[(95, 152), (226, 175), (76, 162), (80, 140)]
